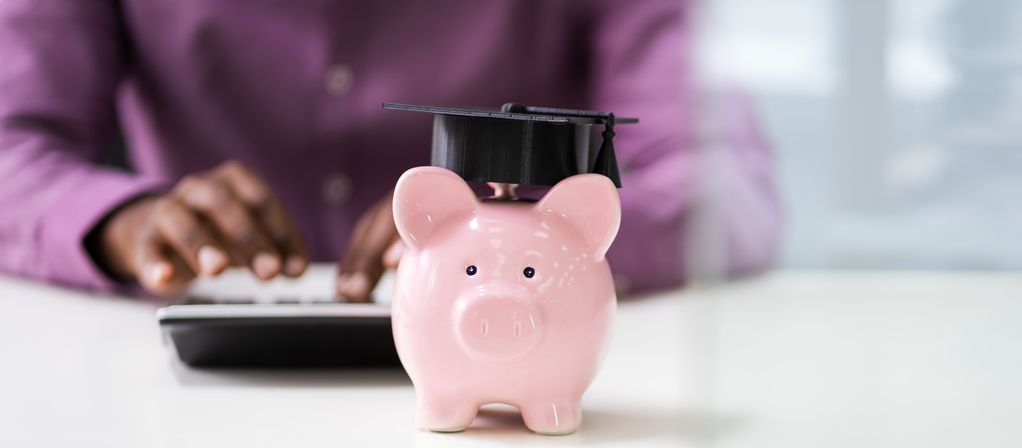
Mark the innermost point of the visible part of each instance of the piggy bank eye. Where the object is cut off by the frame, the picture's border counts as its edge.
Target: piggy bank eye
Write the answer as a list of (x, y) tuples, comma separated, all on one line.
[(471, 270), (529, 272)]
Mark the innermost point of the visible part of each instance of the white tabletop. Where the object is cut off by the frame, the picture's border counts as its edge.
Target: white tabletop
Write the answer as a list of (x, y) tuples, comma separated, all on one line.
[(794, 358)]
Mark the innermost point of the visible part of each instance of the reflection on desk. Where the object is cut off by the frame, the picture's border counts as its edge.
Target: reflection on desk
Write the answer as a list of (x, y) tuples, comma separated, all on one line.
[(794, 358)]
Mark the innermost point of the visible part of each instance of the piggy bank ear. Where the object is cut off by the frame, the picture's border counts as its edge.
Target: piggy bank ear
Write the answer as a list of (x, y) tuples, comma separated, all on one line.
[(426, 197), (590, 202)]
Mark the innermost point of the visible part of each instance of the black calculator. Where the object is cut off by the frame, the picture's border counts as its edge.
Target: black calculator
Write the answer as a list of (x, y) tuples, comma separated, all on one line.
[(236, 322)]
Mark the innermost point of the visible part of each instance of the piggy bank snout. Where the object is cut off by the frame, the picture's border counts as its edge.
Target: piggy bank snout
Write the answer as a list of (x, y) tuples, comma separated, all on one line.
[(498, 328)]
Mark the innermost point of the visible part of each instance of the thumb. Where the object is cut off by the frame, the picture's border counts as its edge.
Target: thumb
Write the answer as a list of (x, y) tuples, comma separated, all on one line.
[(159, 272)]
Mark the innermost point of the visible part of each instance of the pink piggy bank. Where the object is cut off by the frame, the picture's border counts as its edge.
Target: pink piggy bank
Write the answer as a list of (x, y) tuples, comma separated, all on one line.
[(502, 301)]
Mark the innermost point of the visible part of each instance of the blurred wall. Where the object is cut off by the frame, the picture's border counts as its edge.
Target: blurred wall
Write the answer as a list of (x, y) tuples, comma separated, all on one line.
[(897, 124)]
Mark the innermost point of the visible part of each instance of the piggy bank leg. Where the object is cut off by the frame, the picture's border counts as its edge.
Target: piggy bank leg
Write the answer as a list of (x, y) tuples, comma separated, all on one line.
[(557, 417), (445, 414)]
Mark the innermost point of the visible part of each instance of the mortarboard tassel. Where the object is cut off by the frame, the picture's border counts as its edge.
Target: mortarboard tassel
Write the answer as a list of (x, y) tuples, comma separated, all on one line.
[(606, 159)]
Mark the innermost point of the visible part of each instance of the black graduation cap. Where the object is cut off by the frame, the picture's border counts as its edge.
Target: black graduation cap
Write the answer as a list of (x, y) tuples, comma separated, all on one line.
[(521, 144)]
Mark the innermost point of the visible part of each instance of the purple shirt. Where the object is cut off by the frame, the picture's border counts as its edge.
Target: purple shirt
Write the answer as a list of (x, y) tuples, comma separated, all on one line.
[(293, 89)]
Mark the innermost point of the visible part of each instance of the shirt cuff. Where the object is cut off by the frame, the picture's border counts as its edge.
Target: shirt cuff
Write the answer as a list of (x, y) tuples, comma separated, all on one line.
[(71, 219)]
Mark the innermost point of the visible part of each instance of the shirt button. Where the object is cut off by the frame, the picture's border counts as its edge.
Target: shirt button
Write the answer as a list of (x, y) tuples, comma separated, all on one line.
[(339, 79), (336, 189)]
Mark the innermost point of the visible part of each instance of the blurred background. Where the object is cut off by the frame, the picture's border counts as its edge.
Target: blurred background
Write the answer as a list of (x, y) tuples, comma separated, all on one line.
[(896, 124), (896, 127)]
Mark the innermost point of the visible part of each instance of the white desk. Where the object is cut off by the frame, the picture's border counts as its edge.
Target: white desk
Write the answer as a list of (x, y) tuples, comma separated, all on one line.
[(795, 358)]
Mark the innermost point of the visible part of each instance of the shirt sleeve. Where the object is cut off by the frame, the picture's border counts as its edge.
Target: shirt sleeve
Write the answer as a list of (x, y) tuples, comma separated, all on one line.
[(61, 64), (687, 207)]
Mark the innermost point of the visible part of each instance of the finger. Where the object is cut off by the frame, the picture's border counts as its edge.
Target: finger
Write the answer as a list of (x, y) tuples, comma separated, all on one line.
[(158, 269), (248, 186), (353, 280), (393, 255), (233, 222), (362, 265), (190, 237), (357, 273), (267, 208), (286, 237)]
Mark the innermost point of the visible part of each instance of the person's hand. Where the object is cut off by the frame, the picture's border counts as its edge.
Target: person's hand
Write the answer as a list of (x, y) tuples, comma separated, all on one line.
[(375, 246), (227, 216)]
